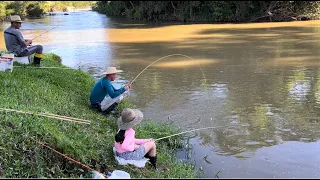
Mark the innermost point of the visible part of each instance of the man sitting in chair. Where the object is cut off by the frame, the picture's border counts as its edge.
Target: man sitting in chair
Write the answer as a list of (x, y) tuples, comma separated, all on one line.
[(16, 44)]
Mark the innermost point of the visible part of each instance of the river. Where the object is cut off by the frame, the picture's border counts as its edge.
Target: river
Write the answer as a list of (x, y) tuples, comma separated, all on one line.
[(257, 83)]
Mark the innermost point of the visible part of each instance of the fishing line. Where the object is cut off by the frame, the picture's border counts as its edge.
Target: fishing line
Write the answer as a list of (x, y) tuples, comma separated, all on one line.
[(44, 33), (164, 58), (183, 133)]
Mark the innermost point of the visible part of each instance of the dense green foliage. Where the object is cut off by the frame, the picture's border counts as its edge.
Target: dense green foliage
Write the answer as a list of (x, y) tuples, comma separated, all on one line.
[(62, 5), (34, 10), (37, 8), (211, 11), (16, 7), (65, 92)]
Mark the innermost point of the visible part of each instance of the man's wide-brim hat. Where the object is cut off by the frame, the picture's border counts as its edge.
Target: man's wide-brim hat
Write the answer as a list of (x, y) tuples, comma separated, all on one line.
[(15, 18), (111, 70), (129, 118)]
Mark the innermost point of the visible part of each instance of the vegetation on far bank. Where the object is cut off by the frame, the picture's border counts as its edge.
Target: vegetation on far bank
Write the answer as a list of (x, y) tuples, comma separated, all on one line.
[(211, 11), (38, 8), (65, 92)]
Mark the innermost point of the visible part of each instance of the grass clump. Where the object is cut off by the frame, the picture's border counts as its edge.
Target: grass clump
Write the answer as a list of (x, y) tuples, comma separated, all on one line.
[(65, 92)]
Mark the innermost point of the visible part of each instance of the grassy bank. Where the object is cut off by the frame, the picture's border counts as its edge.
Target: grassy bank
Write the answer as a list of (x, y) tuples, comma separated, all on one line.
[(65, 92)]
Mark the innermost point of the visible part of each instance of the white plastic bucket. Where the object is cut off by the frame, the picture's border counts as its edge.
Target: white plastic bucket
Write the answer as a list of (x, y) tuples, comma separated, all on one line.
[(23, 60), (6, 62), (117, 174)]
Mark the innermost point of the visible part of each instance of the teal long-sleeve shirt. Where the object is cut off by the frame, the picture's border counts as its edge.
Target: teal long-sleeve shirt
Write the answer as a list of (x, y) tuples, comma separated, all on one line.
[(102, 88)]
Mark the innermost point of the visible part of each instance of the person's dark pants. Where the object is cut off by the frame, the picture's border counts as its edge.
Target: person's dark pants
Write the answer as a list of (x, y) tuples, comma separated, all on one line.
[(111, 108), (107, 111), (36, 50)]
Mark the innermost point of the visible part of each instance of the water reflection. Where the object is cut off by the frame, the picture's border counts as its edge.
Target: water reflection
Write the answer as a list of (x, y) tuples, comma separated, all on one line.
[(181, 64), (269, 162)]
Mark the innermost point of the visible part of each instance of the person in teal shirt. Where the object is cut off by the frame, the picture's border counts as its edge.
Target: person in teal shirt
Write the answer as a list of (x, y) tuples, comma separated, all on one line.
[(104, 97)]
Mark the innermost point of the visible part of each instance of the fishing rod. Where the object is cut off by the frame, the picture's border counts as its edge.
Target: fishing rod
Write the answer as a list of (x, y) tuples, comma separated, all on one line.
[(184, 133), (41, 67), (114, 100), (44, 33), (69, 158), (164, 58), (48, 115)]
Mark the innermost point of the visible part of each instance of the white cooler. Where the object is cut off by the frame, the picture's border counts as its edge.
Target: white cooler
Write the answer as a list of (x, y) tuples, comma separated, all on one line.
[(6, 62)]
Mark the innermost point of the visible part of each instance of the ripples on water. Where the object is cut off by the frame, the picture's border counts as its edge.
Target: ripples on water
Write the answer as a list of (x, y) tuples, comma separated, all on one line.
[(260, 87)]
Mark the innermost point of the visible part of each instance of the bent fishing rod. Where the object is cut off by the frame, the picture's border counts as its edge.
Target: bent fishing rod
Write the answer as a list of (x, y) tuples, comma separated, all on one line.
[(164, 58)]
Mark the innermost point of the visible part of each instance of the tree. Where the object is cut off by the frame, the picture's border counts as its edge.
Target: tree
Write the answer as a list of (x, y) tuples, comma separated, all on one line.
[(211, 11), (18, 8), (34, 10)]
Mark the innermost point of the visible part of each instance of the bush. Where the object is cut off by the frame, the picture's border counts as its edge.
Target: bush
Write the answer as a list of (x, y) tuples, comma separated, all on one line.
[(17, 8), (34, 10), (115, 8)]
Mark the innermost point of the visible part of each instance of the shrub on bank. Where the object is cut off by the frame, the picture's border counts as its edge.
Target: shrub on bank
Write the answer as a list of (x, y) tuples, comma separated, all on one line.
[(34, 10)]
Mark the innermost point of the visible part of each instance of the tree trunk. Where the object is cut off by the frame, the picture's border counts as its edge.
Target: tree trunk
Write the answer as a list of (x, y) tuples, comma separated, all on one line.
[(174, 9), (190, 11)]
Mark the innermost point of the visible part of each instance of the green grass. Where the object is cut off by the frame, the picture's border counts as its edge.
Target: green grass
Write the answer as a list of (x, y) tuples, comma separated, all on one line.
[(65, 92)]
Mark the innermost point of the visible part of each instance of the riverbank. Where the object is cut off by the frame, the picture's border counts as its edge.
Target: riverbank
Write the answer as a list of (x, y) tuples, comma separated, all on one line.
[(211, 12), (32, 9), (65, 92), (262, 19)]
